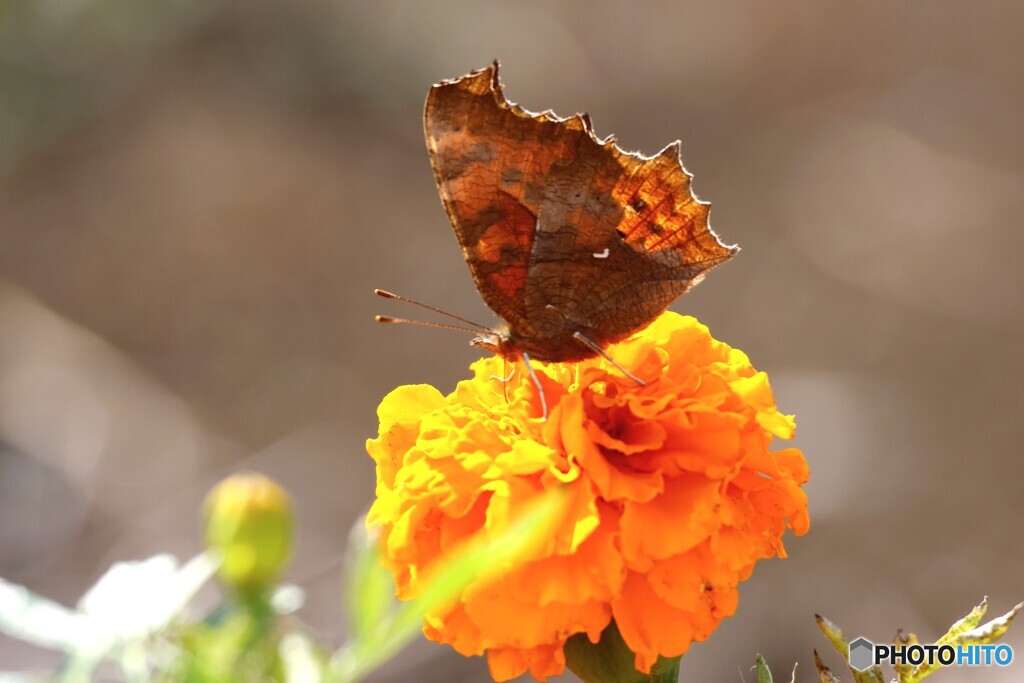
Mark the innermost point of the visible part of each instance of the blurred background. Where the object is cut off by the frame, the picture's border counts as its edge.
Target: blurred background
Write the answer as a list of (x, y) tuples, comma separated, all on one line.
[(197, 198)]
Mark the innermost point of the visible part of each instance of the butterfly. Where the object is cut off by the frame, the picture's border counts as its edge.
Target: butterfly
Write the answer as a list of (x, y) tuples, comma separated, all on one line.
[(573, 242)]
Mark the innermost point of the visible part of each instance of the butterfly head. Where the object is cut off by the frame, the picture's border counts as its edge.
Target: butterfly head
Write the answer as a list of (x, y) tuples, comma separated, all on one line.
[(496, 341)]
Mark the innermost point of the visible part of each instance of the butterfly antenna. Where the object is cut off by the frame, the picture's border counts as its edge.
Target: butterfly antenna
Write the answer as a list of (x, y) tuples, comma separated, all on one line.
[(389, 295), (389, 319)]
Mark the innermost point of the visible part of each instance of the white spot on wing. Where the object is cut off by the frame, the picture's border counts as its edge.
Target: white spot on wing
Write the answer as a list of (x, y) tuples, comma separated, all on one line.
[(603, 254)]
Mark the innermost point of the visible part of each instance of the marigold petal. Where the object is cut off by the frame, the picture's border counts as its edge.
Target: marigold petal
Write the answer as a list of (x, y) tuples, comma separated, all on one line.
[(542, 662), (739, 549), (757, 393), (649, 407), (677, 520), (414, 534), (592, 570), (455, 628), (696, 583), (528, 457), (513, 619), (634, 437), (650, 626), (399, 415), (792, 462), (406, 404), (613, 482), (455, 530), (704, 442)]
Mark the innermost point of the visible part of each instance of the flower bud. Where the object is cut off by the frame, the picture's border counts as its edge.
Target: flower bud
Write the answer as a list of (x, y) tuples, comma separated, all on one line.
[(249, 524)]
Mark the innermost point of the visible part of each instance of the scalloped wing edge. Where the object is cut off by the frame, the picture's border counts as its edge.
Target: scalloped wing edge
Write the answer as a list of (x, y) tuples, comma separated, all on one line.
[(582, 121)]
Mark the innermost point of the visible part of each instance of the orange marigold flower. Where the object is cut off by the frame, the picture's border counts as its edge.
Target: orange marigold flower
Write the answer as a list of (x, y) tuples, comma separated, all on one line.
[(673, 495)]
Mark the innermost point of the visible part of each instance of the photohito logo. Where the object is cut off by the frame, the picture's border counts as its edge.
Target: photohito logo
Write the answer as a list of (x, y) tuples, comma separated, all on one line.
[(864, 654)]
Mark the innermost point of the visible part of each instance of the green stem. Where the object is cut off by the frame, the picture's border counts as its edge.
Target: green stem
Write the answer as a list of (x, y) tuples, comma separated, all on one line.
[(611, 661)]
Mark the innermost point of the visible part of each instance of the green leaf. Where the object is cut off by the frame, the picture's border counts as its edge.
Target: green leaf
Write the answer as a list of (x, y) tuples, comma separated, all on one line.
[(842, 646), (370, 590), (834, 635), (825, 675), (611, 661), (969, 622), (242, 643), (966, 631), (990, 632), (903, 671), (763, 674)]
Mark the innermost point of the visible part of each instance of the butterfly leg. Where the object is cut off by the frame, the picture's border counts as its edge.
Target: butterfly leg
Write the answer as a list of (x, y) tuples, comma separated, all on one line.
[(608, 358), (536, 382), (504, 380)]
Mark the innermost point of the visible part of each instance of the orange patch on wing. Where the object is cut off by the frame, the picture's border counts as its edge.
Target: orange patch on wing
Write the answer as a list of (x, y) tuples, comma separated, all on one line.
[(507, 243)]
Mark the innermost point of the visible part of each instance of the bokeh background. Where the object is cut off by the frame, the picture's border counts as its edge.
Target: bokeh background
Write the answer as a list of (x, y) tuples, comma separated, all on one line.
[(197, 198)]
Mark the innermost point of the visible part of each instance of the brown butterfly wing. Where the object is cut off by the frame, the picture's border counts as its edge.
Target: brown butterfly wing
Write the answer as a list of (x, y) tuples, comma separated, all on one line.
[(619, 238), (563, 232), (480, 155)]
